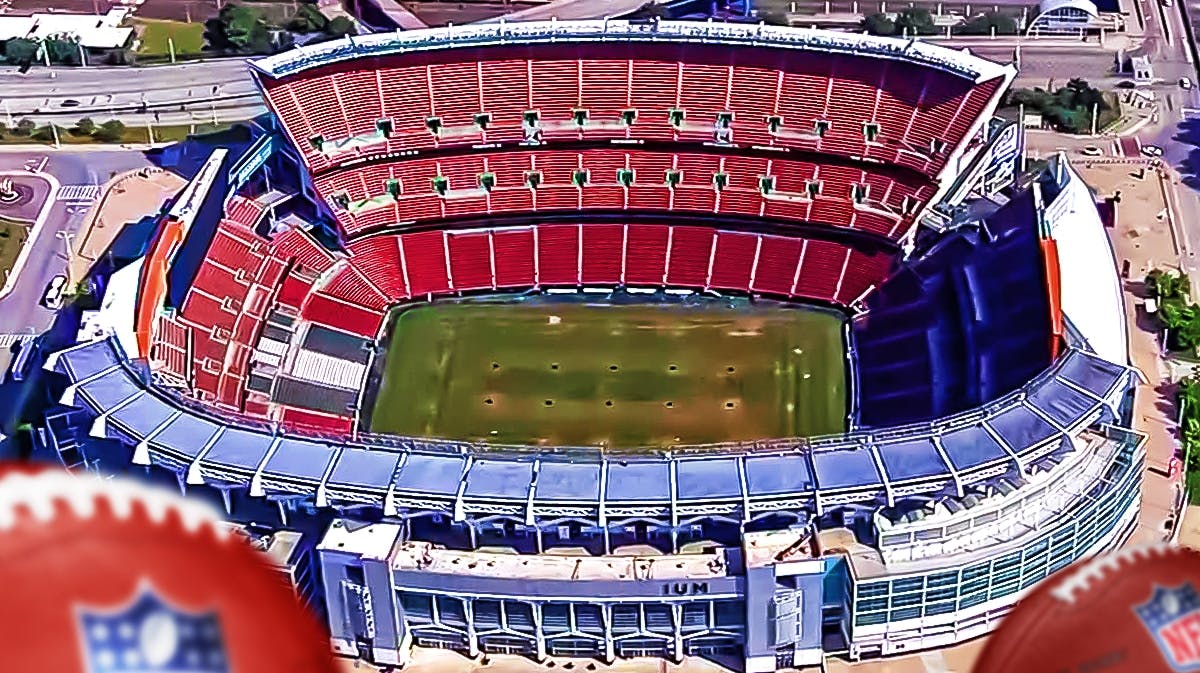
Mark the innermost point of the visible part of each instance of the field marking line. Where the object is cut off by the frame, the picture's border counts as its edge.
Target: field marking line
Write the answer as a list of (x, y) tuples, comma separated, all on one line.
[(34, 232)]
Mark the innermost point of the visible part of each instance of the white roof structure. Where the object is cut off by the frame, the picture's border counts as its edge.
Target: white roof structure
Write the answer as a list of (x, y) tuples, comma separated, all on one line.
[(116, 315), (94, 31), (1086, 6), (1090, 287)]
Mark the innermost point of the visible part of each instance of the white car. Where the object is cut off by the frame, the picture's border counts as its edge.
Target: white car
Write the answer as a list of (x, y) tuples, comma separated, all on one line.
[(1185, 83), (1092, 151), (55, 291), (1152, 150)]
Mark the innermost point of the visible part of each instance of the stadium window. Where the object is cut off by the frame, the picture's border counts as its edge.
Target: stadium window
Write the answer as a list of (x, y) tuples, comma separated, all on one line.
[(937, 146), (434, 124), (579, 178), (674, 177), (628, 117), (859, 192), (774, 123), (580, 116), (531, 117), (483, 119), (384, 127), (813, 187), (724, 119), (393, 188), (317, 142), (441, 185), (487, 181), (720, 181), (821, 127), (533, 179), (870, 131), (676, 116), (625, 176), (766, 184)]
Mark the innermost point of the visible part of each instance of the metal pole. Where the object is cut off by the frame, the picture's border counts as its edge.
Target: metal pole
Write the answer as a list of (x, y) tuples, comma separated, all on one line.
[(8, 113), (82, 54), (171, 47), (65, 237), (1095, 116), (149, 131), (54, 132)]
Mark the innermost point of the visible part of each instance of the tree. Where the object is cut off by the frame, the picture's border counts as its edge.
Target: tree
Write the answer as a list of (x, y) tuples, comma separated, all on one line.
[(879, 24), (110, 131), (239, 29), (307, 19), (20, 51), (45, 134), (62, 50), (915, 21), (986, 22), (341, 26), (84, 127), (25, 128)]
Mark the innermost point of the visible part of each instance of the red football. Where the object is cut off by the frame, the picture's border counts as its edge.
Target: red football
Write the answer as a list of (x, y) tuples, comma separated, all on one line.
[(1135, 611), (110, 576)]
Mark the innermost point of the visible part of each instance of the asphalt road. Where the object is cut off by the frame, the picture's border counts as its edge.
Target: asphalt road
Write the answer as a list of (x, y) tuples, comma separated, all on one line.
[(21, 311)]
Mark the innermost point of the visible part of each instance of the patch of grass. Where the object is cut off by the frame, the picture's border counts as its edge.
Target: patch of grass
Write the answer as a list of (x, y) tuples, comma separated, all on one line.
[(134, 135), (12, 239), (155, 34), (620, 376)]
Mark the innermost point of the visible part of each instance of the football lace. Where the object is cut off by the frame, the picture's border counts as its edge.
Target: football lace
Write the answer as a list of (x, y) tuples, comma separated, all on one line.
[(1082, 578), (40, 494)]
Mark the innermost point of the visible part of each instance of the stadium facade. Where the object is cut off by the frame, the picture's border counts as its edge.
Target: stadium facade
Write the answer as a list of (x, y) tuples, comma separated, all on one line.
[(989, 441)]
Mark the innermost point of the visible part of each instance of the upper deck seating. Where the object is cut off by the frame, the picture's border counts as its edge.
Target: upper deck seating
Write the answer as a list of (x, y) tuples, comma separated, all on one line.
[(849, 105)]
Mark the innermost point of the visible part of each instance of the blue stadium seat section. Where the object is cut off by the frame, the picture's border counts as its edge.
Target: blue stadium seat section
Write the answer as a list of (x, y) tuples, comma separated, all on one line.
[(234, 452), (963, 322)]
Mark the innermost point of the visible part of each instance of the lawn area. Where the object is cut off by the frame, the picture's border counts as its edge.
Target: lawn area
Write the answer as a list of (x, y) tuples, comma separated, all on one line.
[(154, 35), (134, 135), (12, 238), (622, 376)]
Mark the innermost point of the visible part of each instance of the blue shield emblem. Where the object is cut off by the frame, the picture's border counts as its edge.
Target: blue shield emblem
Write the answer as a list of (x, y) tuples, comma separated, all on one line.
[(148, 635), (1173, 618)]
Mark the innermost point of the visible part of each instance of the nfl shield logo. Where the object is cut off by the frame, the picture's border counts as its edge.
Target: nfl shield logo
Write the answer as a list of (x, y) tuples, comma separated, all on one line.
[(1173, 619), (148, 635)]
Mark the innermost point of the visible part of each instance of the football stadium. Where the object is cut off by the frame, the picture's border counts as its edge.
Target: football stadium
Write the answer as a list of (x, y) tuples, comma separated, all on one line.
[(612, 339)]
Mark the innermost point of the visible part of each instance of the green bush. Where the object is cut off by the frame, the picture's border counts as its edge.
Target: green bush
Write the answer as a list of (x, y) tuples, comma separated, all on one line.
[(25, 128), (84, 127), (110, 131), (984, 23)]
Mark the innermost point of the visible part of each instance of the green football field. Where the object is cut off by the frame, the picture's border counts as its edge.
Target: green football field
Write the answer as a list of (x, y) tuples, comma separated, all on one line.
[(621, 376)]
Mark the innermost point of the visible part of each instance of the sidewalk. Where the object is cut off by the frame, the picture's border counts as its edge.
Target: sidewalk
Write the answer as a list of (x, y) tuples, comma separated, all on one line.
[(126, 198)]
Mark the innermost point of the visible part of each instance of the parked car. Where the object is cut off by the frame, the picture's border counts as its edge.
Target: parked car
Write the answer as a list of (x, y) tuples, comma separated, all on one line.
[(1152, 150), (70, 102), (55, 291), (1185, 83), (1092, 151)]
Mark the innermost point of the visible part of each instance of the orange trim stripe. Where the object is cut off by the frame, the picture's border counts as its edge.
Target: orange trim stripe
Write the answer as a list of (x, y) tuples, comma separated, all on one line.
[(1054, 293), (153, 290)]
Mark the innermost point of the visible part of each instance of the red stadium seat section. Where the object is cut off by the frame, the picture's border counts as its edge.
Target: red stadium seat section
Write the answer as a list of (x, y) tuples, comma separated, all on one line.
[(891, 111), (864, 197)]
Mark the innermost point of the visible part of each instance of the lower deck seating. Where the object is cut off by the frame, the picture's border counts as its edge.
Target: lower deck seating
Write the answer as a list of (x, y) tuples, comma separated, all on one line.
[(244, 279)]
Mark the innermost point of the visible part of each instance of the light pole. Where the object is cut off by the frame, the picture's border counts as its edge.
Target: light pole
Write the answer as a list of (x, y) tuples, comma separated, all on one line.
[(66, 237)]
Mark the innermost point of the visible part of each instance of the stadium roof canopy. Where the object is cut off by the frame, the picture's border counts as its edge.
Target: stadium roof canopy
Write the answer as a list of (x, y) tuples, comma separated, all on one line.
[(382, 44)]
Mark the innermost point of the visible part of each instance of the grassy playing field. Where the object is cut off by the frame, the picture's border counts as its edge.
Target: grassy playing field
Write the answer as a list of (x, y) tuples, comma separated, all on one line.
[(569, 373)]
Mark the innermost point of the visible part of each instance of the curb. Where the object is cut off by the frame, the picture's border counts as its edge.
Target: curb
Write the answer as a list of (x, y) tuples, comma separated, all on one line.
[(34, 233)]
